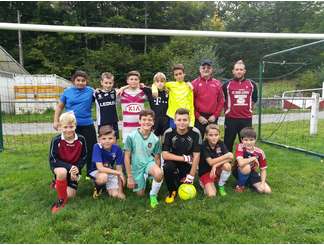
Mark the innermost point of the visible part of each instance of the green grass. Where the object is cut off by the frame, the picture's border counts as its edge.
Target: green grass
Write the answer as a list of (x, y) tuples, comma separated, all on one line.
[(295, 134), (276, 88), (292, 214)]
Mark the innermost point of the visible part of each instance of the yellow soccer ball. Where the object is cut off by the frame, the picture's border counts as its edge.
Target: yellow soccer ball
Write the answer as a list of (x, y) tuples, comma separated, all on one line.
[(187, 191)]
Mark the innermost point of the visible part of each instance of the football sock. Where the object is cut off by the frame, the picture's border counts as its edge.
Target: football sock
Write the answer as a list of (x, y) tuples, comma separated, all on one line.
[(61, 188), (155, 187), (224, 177), (242, 178)]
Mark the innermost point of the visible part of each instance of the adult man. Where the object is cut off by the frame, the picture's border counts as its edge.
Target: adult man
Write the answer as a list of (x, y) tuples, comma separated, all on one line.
[(240, 95), (208, 97)]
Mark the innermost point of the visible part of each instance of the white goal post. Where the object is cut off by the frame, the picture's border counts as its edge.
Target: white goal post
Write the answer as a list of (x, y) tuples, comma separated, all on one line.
[(158, 32)]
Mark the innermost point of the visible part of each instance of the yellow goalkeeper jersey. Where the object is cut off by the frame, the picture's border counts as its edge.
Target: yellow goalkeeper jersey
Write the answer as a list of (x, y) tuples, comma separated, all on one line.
[(180, 96)]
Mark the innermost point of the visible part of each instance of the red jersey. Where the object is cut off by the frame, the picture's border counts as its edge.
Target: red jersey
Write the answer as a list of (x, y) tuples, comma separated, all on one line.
[(208, 96), (241, 151), (239, 96), (65, 154)]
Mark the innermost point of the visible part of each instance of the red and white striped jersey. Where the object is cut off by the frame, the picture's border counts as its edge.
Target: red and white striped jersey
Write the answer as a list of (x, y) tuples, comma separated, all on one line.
[(132, 102)]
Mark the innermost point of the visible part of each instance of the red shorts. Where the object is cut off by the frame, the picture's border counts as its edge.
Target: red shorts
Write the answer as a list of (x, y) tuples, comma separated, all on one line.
[(205, 178)]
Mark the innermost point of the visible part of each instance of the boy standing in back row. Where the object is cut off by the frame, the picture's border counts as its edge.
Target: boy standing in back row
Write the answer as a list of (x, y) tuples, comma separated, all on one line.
[(132, 102), (180, 95), (106, 98)]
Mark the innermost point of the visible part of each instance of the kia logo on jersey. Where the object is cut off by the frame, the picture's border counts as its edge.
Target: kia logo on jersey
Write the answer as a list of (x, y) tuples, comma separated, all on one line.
[(133, 108)]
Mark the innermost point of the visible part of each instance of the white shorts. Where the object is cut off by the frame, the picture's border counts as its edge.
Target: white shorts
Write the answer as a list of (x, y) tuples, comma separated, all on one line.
[(112, 182)]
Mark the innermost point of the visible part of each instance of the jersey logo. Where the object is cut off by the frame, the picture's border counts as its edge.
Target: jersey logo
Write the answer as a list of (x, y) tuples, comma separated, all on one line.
[(135, 108), (99, 96), (149, 145), (218, 150), (157, 101), (112, 96)]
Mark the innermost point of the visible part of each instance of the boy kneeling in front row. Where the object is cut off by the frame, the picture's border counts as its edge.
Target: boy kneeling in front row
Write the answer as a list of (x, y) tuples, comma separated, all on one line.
[(107, 165), (67, 156), (142, 157), (249, 159), (215, 162), (181, 151)]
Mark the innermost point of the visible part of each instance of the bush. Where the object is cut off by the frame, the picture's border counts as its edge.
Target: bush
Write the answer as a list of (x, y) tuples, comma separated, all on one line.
[(311, 78)]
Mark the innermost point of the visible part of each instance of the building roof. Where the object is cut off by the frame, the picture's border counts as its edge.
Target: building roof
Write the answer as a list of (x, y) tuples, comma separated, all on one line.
[(9, 64)]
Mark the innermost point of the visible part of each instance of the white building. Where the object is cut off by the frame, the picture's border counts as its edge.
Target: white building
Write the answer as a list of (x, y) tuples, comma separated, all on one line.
[(21, 92)]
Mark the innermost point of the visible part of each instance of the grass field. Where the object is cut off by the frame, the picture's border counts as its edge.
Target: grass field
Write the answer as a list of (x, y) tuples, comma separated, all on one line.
[(295, 134), (291, 214)]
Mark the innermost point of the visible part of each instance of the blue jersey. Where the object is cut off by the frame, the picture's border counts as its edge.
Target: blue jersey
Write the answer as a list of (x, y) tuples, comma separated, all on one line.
[(106, 107), (79, 101), (109, 158)]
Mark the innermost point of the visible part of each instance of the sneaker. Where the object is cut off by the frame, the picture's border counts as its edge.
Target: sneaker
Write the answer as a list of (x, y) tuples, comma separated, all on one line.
[(57, 206), (239, 189), (221, 190), (96, 193), (153, 201), (170, 198)]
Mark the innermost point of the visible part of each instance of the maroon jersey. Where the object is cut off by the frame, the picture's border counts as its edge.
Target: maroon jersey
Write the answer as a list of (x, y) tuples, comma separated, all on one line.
[(239, 96), (241, 151), (65, 154)]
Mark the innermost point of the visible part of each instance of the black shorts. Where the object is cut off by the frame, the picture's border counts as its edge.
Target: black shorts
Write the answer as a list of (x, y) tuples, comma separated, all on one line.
[(70, 183), (160, 125), (253, 178), (114, 126)]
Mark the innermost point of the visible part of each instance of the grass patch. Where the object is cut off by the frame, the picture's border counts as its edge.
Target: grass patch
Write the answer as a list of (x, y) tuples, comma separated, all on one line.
[(295, 134), (292, 214), (276, 88)]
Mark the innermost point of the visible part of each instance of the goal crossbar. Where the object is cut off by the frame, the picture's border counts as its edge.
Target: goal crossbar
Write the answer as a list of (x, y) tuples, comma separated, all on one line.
[(157, 32)]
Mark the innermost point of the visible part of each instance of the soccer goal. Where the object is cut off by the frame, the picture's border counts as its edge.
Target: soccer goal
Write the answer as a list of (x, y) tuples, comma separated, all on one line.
[(291, 105), (266, 130)]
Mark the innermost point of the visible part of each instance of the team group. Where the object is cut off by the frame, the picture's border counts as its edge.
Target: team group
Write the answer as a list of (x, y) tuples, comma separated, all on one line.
[(171, 141)]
